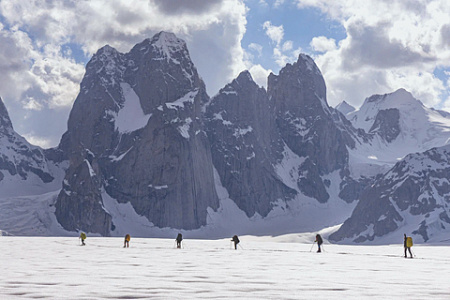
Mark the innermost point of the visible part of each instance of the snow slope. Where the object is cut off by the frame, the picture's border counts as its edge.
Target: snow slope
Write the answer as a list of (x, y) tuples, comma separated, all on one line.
[(130, 117), (58, 268), (30, 215), (34, 215)]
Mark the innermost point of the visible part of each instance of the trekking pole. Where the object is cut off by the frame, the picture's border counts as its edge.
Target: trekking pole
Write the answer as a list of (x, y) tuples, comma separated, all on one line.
[(312, 246), (241, 246)]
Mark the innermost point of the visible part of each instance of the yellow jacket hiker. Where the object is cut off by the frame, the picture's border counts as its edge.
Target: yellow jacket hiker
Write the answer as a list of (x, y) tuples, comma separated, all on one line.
[(126, 243), (407, 244)]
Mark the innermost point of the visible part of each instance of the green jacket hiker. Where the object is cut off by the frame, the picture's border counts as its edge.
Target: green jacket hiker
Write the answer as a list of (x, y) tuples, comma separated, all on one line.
[(82, 237)]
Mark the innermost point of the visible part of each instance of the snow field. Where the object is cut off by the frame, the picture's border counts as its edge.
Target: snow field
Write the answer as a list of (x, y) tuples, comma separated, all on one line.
[(58, 268)]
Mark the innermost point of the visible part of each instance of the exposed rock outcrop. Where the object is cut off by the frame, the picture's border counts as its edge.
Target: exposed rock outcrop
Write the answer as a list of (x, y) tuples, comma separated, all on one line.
[(246, 144), (139, 114), (415, 192)]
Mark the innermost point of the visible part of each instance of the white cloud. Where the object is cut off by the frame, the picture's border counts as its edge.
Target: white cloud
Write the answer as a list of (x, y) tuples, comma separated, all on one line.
[(287, 46), (280, 58), (446, 105), (36, 140), (32, 104), (260, 75), (275, 33), (278, 3), (323, 44), (56, 77), (256, 47), (389, 44), (282, 52)]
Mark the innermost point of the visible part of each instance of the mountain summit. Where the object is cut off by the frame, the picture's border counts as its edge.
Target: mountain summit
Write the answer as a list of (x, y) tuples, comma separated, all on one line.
[(135, 136)]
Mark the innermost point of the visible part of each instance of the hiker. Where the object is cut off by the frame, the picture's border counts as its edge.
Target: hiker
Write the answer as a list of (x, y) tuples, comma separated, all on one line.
[(126, 243), (236, 241), (179, 239), (407, 244), (319, 242), (82, 237)]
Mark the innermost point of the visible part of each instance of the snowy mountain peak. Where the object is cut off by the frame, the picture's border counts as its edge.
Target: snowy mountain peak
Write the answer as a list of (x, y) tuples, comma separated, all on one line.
[(106, 64), (107, 50), (410, 110), (398, 124), (167, 43), (167, 38), (345, 108), (397, 99), (106, 53)]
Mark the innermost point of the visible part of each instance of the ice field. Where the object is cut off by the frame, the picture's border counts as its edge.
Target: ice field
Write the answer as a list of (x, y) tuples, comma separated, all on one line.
[(263, 268)]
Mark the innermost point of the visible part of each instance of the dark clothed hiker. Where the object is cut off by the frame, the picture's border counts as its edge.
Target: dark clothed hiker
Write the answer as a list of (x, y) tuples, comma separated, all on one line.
[(236, 241), (319, 242), (179, 239)]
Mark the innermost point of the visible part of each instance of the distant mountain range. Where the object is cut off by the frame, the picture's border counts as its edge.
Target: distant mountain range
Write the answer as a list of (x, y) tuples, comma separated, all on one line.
[(147, 149)]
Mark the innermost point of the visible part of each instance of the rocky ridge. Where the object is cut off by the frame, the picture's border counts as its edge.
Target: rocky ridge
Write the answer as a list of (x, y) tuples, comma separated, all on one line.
[(22, 163), (144, 133), (414, 195)]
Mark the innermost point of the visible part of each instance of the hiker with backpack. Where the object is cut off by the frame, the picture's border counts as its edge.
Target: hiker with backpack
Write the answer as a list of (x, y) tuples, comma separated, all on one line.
[(236, 241), (319, 242), (179, 239), (82, 238), (126, 243), (407, 244)]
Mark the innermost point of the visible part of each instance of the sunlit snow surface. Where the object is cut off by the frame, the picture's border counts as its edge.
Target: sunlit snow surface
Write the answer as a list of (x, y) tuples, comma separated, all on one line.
[(264, 268)]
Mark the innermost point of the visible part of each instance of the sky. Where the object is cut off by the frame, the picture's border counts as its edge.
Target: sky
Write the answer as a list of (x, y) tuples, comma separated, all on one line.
[(362, 47)]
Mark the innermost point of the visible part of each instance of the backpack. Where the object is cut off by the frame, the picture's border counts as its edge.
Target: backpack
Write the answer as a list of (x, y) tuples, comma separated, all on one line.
[(409, 242), (319, 239), (127, 238), (83, 236), (236, 239)]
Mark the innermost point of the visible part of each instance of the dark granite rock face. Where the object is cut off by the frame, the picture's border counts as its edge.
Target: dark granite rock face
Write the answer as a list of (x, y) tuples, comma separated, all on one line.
[(140, 115), (345, 108), (79, 206), (387, 124), (245, 145), (163, 162), (306, 124), (416, 186), (351, 189), (249, 130)]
